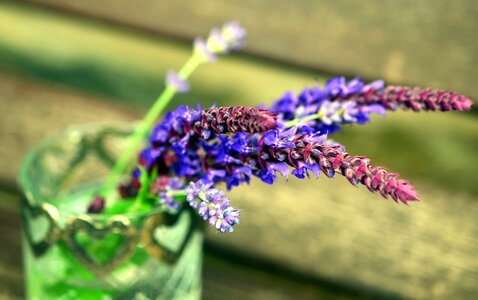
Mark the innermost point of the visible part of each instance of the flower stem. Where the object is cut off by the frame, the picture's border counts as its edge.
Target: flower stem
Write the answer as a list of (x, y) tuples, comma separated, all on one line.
[(177, 193), (145, 126), (297, 121)]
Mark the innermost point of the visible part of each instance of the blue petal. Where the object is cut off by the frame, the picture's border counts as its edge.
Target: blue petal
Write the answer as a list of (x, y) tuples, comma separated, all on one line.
[(270, 138)]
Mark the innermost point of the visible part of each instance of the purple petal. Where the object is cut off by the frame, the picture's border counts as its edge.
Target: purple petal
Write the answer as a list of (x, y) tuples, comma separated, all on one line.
[(160, 134), (376, 85), (282, 168), (174, 80), (374, 109), (288, 133), (201, 48), (271, 138), (354, 86)]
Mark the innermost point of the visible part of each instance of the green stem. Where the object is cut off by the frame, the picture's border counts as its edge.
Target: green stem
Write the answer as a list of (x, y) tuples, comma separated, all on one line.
[(177, 193), (145, 126), (296, 121)]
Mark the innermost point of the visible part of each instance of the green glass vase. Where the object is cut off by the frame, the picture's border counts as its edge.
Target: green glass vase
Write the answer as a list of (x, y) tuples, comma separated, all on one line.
[(69, 254)]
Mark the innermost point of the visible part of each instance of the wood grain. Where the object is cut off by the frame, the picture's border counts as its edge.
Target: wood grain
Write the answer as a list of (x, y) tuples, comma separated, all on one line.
[(429, 42), (11, 277)]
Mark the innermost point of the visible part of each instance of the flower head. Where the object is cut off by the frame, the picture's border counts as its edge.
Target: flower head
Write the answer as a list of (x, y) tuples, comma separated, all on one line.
[(167, 201), (174, 80), (330, 159), (318, 108), (212, 205), (164, 187), (340, 102), (234, 35), (230, 37), (414, 98), (235, 119)]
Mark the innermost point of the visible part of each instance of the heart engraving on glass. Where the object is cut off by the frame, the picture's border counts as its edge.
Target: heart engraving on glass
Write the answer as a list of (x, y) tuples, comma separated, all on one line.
[(89, 239), (158, 249), (51, 215)]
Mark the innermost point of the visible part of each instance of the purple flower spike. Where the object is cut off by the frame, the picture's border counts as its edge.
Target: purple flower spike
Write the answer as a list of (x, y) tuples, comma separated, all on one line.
[(340, 102), (331, 159), (167, 201), (175, 81), (212, 205), (324, 109), (201, 49), (234, 35), (414, 98), (235, 119), (230, 37)]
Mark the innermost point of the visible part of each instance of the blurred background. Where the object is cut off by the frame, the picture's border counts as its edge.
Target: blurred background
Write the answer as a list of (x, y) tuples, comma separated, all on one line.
[(77, 61)]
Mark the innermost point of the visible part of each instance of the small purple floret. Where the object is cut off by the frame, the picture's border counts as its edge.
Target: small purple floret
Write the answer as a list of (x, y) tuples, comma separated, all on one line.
[(212, 205), (230, 37), (175, 81), (327, 105), (167, 201)]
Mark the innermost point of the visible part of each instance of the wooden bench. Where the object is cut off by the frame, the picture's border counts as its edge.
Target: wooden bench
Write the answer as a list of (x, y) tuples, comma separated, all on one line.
[(302, 240)]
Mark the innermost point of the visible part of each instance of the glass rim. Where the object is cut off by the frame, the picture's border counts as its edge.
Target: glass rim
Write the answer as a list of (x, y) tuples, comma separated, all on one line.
[(26, 164)]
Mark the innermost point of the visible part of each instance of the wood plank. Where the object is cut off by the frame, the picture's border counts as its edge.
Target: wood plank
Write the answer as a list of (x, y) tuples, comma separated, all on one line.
[(128, 66), (424, 252), (11, 277), (421, 42), (326, 229)]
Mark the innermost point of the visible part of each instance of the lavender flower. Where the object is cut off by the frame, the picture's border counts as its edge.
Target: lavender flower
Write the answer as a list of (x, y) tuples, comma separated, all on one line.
[(414, 98), (340, 102), (187, 152), (315, 107), (167, 201), (175, 81), (232, 144), (236, 118), (312, 156), (230, 37), (164, 187), (212, 205), (234, 35)]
